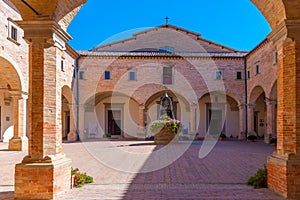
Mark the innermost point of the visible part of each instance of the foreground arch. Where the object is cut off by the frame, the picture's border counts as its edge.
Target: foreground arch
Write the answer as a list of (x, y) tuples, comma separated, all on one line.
[(52, 18)]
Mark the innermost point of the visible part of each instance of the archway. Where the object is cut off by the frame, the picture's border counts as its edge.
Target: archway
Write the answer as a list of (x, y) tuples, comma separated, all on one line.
[(257, 112), (68, 113), (112, 113), (12, 107), (220, 112)]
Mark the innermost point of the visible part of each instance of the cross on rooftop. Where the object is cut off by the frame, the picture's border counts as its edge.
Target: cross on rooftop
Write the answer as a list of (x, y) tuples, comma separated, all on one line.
[(167, 19)]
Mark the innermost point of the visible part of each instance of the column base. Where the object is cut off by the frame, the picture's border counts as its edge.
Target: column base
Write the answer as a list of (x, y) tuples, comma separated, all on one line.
[(284, 175), (72, 137), (267, 138), (42, 179), (242, 135), (18, 144)]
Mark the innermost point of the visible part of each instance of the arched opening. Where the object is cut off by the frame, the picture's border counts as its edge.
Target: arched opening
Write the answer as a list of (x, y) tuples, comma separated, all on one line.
[(181, 108), (68, 111), (10, 87), (219, 113), (110, 113), (257, 112)]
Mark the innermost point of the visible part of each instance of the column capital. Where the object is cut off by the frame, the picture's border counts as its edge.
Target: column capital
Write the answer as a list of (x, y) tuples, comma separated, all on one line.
[(242, 106), (270, 101), (47, 32), (142, 106), (251, 106), (16, 94), (286, 29)]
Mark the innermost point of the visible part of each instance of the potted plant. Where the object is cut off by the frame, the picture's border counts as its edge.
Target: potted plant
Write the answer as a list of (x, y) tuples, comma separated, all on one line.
[(165, 129), (273, 141), (252, 138), (222, 136)]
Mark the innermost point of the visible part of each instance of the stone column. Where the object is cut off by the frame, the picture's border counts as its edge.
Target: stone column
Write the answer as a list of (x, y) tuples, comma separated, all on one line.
[(141, 128), (19, 142), (242, 121), (251, 108), (81, 116), (72, 136), (193, 108), (45, 171), (271, 119), (284, 164)]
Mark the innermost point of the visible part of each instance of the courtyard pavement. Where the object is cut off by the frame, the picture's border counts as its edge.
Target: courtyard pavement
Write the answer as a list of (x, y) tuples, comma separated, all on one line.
[(131, 170)]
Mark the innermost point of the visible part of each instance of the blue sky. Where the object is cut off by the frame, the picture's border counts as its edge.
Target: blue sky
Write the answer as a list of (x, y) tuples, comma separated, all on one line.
[(234, 23)]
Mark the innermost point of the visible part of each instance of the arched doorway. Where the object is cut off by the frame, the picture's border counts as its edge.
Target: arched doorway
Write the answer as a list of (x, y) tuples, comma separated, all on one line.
[(68, 113), (13, 103), (110, 113), (219, 113), (181, 109), (257, 113)]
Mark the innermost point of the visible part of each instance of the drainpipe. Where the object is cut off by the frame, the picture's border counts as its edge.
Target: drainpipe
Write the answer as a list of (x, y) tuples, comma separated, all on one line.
[(77, 98), (246, 96)]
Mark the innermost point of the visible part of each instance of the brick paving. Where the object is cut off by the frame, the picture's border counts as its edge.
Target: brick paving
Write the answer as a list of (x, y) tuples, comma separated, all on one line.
[(220, 175)]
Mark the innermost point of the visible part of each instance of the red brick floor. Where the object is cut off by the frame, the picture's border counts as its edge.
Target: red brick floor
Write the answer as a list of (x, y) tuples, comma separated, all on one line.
[(220, 175)]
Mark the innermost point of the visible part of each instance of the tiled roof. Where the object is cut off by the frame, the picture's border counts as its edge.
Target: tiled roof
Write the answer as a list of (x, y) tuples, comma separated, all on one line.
[(161, 54)]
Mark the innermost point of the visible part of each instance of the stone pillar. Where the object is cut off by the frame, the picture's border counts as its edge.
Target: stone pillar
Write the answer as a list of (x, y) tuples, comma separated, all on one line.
[(284, 164), (45, 171), (81, 116), (19, 142), (141, 128), (271, 120), (242, 121), (72, 136), (251, 108), (193, 108)]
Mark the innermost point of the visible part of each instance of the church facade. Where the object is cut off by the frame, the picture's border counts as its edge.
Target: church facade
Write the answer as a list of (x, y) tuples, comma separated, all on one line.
[(120, 85), (116, 88)]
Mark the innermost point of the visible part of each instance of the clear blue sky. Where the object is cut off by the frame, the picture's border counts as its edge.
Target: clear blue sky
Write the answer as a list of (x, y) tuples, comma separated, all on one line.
[(234, 23)]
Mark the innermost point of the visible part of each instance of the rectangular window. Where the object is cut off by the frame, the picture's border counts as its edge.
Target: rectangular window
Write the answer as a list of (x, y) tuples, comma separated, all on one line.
[(275, 57), (81, 75), (219, 75), (167, 75), (14, 33), (132, 76), (257, 69), (62, 63), (239, 75), (248, 74), (107, 75)]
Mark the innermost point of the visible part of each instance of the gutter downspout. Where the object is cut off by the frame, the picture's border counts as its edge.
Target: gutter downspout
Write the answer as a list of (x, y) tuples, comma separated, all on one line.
[(246, 96), (77, 98)]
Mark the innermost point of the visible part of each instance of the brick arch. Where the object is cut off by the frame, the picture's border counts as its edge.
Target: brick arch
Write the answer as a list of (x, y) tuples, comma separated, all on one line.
[(255, 94), (273, 92), (273, 10), (228, 94), (60, 11), (68, 94), (98, 97), (160, 93), (12, 75)]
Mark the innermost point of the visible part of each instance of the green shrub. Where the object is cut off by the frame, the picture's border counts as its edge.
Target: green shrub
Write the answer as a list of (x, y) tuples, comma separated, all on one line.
[(80, 178), (107, 135), (252, 137), (222, 135), (259, 179), (273, 141)]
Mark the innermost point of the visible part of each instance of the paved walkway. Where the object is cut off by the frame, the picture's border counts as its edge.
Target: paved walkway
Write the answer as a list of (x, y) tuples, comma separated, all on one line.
[(116, 166)]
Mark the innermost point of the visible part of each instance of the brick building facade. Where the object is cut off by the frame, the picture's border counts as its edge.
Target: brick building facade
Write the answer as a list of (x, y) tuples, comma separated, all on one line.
[(201, 76), (129, 77), (27, 71)]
